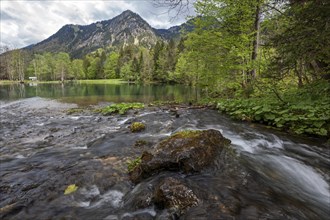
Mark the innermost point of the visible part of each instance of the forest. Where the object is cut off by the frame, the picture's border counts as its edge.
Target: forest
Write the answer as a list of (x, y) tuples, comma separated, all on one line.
[(265, 61)]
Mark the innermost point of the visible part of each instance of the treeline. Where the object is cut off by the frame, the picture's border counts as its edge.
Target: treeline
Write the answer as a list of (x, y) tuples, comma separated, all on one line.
[(246, 44), (266, 61), (130, 63)]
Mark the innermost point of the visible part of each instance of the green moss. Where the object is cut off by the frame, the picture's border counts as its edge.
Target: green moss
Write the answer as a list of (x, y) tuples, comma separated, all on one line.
[(120, 108), (133, 163), (72, 111), (187, 134), (137, 127)]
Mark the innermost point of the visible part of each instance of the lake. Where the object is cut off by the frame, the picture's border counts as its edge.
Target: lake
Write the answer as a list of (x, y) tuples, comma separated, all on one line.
[(92, 94)]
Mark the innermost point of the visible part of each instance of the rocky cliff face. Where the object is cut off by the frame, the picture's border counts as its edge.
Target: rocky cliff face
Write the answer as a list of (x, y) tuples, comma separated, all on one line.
[(126, 28)]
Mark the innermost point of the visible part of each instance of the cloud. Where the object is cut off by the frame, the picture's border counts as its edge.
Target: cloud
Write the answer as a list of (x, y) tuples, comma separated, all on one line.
[(28, 22)]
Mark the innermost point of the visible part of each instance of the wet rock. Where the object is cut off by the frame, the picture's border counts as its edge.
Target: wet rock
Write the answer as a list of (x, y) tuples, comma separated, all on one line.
[(139, 198), (54, 130), (49, 137), (140, 143), (174, 194), (187, 151), (10, 209), (137, 127)]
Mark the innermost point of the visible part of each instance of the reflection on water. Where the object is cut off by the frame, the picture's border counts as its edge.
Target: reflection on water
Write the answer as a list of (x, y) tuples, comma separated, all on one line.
[(87, 94)]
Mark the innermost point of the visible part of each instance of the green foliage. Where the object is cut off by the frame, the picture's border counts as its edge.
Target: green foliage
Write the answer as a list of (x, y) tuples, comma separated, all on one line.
[(120, 108), (94, 69), (111, 69), (77, 69), (301, 40), (301, 115), (132, 164), (137, 127)]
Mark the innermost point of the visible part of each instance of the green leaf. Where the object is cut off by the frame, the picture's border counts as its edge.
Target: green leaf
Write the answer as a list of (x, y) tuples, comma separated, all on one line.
[(270, 116), (318, 124), (70, 189)]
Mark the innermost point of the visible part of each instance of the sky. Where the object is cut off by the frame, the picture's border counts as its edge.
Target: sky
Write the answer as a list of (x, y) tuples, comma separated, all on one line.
[(26, 22)]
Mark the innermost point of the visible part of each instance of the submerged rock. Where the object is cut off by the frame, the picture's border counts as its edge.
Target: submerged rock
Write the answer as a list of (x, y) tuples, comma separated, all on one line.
[(173, 194), (186, 151)]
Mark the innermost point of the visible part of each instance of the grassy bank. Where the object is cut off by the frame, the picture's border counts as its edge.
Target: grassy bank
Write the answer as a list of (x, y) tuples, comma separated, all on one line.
[(102, 81), (94, 81)]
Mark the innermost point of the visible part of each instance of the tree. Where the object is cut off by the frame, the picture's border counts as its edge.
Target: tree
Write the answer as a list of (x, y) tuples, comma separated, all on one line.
[(146, 65), (111, 70), (171, 56), (94, 68), (300, 36), (159, 61), (135, 70), (5, 67), (62, 65), (126, 72), (179, 6), (78, 69)]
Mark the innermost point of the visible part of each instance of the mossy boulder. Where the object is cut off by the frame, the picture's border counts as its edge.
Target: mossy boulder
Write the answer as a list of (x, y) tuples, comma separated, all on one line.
[(120, 108), (186, 151), (137, 127)]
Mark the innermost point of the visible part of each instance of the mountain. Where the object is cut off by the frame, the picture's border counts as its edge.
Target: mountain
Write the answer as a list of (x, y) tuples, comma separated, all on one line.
[(126, 28), (175, 31)]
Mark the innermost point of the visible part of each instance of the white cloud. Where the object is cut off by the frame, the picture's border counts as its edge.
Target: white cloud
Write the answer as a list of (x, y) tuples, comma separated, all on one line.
[(27, 22)]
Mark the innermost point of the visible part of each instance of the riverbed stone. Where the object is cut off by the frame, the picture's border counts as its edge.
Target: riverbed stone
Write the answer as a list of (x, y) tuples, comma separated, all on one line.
[(186, 151), (173, 194)]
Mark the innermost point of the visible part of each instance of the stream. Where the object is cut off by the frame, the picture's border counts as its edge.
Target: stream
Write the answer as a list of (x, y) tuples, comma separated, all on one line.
[(43, 150)]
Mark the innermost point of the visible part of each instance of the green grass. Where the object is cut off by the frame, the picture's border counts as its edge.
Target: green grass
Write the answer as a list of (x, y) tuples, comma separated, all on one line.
[(102, 81), (7, 82), (92, 81), (131, 164)]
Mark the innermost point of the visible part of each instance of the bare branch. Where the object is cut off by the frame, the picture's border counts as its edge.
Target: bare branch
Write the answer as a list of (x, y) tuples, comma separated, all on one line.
[(179, 6), (273, 8)]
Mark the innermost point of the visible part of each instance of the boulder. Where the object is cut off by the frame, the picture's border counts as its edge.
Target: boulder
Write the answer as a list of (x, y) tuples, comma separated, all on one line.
[(173, 194), (186, 151)]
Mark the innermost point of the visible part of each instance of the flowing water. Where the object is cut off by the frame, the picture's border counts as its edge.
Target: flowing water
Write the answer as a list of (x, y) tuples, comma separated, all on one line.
[(43, 150)]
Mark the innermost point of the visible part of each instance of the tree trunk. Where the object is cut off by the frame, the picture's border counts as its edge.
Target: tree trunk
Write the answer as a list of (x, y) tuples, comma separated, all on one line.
[(62, 74), (254, 56), (298, 73)]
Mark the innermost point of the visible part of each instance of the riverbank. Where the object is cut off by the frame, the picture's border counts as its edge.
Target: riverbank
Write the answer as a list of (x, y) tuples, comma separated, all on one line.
[(94, 81), (46, 147), (304, 111)]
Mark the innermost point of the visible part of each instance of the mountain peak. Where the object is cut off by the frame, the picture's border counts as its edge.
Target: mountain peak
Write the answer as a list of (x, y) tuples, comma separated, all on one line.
[(128, 12), (124, 29)]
